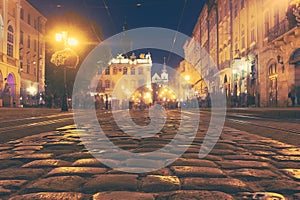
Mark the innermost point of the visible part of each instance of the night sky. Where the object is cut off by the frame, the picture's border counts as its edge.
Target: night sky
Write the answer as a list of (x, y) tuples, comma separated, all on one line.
[(178, 15)]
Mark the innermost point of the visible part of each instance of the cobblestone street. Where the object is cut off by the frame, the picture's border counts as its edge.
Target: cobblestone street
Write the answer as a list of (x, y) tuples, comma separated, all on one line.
[(56, 165)]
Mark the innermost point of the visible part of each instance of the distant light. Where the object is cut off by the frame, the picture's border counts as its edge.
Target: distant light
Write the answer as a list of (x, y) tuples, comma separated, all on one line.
[(58, 6), (138, 5)]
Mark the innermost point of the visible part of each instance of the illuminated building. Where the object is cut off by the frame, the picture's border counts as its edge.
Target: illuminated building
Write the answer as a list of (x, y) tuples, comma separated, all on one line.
[(32, 54), (126, 79), (21, 45), (255, 44)]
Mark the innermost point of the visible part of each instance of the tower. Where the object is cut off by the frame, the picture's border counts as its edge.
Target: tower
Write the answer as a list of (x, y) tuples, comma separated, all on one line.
[(164, 74)]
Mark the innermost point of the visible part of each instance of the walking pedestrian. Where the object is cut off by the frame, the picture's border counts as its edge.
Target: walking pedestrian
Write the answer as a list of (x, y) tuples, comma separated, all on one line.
[(292, 94)]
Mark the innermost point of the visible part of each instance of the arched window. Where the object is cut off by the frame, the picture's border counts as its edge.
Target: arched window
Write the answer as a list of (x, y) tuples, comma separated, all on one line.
[(295, 58), (107, 71), (132, 71), (115, 70), (10, 41), (273, 69), (125, 70)]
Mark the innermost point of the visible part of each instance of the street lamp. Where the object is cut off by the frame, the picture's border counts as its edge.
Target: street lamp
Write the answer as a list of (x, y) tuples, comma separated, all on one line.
[(65, 58)]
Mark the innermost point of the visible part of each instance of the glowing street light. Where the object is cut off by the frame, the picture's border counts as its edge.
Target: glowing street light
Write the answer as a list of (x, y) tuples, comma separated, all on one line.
[(61, 59)]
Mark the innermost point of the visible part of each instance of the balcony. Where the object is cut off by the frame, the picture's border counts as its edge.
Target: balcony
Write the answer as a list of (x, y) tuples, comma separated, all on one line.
[(280, 29)]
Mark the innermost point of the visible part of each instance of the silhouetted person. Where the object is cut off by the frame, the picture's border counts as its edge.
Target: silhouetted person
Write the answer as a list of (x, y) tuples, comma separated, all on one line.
[(292, 94)]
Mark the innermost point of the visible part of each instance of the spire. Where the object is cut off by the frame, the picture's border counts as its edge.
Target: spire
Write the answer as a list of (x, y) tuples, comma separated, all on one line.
[(164, 70), (125, 25)]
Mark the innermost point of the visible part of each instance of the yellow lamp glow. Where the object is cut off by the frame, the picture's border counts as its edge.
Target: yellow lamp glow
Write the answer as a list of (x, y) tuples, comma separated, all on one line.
[(72, 42), (59, 37), (187, 77)]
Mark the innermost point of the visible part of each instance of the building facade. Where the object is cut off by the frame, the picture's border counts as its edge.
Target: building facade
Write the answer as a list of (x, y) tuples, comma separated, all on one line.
[(126, 79), (22, 43), (9, 52), (32, 54), (255, 45)]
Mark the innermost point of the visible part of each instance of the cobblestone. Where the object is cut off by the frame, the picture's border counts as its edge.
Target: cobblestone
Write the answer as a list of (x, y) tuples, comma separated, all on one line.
[(51, 195), (124, 195), (21, 173), (56, 165), (198, 194), (47, 163), (230, 185), (56, 184), (156, 183), (111, 182)]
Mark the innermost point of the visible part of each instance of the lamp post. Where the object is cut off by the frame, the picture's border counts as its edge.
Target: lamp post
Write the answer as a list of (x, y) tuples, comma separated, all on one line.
[(65, 59)]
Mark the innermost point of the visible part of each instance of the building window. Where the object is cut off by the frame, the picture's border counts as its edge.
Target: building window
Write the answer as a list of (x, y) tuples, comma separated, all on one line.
[(34, 45), (21, 62), (34, 71), (107, 84), (242, 4), (273, 69), (243, 37), (21, 37), (115, 70), (124, 70), (236, 44), (132, 71), (35, 24), (28, 66), (10, 41), (28, 41), (40, 26), (235, 10), (28, 19), (22, 13), (107, 71), (267, 24), (141, 71), (252, 35)]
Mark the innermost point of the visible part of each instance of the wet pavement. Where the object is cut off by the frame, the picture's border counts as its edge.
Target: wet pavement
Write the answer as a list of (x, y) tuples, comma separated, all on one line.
[(56, 165)]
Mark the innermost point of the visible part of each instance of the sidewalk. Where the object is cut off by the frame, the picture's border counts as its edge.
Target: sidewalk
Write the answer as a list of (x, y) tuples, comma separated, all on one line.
[(7, 113), (288, 112)]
